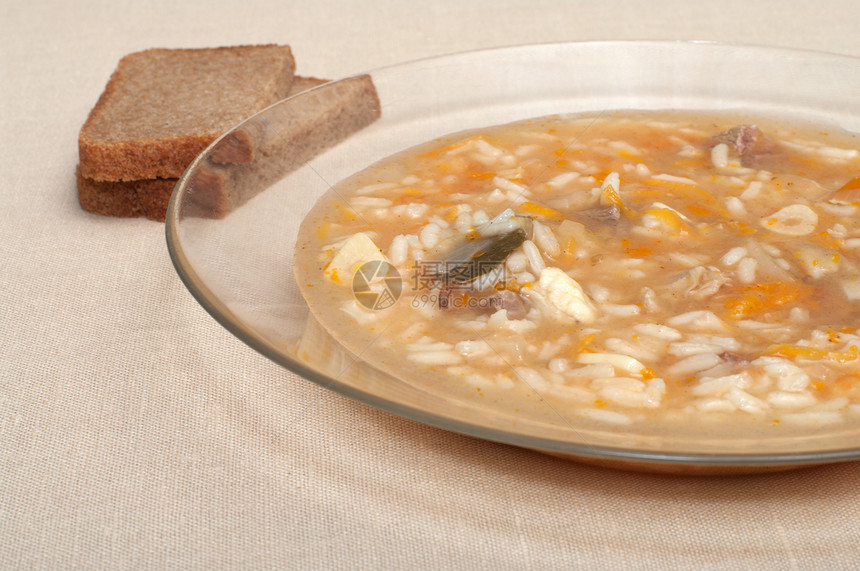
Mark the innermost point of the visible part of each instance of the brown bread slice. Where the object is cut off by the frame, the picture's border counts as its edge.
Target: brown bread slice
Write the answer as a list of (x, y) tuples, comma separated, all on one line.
[(283, 139), (149, 197), (126, 199), (302, 83), (237, 148), (161, 107)]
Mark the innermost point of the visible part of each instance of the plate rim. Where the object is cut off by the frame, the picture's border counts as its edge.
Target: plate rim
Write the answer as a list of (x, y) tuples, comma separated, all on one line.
[(232, 323)]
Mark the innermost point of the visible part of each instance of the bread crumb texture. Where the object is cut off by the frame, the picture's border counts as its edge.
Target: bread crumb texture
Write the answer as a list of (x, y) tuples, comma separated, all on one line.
[(162, 107)]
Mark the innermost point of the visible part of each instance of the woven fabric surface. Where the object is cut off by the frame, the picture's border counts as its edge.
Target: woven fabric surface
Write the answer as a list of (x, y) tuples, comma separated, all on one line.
[(136, 433)]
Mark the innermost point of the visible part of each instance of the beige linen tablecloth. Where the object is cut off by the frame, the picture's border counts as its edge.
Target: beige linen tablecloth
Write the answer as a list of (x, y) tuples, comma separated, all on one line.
[(135, 433)]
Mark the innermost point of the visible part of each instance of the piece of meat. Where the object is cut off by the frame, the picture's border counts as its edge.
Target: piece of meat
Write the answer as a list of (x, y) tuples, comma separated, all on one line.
[(489, 301), (515, 304), (609, 213), (748, 142), (699, 282), (734, 358), (742, 139)]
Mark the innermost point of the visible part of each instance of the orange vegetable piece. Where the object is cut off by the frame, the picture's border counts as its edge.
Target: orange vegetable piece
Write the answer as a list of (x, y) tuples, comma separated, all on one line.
[(759, 298), (482, 175), (812, 353), (853, 184), (669, 219), (540, 210)]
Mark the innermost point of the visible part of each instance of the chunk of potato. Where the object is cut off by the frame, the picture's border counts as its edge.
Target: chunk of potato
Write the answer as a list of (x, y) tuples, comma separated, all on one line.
[(357, 251)]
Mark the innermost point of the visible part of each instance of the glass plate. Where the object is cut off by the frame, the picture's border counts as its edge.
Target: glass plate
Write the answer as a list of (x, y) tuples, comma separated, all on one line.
[(233, 218)]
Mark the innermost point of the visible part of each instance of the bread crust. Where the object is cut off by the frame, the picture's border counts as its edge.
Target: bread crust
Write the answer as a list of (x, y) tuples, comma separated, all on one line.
[(162, 107), (126, 199)]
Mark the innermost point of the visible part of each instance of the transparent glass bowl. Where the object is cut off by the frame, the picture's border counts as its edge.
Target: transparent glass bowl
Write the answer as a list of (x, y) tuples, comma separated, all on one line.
[(234, 252)]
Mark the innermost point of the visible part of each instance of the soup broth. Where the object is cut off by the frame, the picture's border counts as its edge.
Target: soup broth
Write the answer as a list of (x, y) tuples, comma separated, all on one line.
[(626, 269)]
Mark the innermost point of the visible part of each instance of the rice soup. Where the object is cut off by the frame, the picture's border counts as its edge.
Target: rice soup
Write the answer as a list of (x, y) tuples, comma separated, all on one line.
[(658, 269)]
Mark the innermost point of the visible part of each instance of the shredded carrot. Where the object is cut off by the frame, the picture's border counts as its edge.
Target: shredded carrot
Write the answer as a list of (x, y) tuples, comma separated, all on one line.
[(741, 227), (635, 251), (853, 184), (482, 175), (540, 210), (811, 353), (670, 219), (700, 210), (625, 154), (638, 252), (759, 298), (693, 194)]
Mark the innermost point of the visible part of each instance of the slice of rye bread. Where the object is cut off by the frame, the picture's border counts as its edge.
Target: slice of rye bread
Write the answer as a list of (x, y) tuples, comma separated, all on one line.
[(162, 107), (149, 197), (264, 149)]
